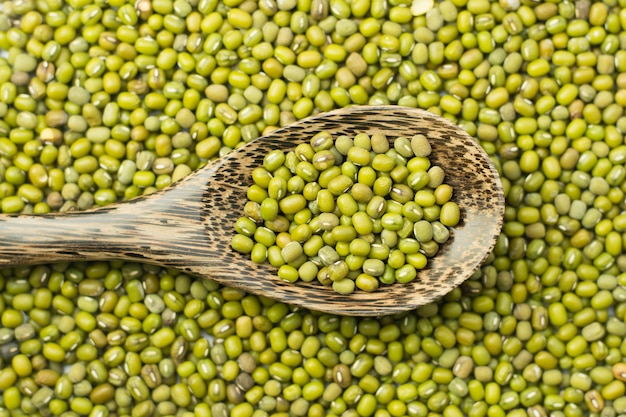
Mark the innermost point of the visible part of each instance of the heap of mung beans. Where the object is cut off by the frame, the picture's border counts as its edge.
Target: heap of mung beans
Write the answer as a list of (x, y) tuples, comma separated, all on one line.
[(101, 101), (349, 212)]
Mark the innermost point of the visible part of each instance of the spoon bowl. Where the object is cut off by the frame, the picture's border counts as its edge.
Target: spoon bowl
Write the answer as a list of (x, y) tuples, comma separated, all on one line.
[(189, 225)]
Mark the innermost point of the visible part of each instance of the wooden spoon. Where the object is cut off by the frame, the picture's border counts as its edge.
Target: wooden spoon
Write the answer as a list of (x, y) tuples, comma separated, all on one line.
[(189, 225)]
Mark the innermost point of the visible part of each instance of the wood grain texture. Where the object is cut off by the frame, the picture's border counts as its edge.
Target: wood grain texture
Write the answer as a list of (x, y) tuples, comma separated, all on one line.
[(189, 225)]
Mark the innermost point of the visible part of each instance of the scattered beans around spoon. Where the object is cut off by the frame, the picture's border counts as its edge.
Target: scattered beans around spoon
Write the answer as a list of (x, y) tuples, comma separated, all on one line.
[(189, 225)]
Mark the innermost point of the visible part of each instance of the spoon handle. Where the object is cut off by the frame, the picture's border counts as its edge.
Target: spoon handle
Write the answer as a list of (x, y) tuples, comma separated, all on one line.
[(101, 234), (161, 228)]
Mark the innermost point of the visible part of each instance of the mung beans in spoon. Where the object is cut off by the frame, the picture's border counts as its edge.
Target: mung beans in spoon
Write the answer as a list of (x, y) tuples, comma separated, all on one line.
[(189, 226), (353, 213)]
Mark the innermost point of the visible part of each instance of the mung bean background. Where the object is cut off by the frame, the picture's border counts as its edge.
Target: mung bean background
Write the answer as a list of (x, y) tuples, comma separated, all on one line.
[(103, 101)]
